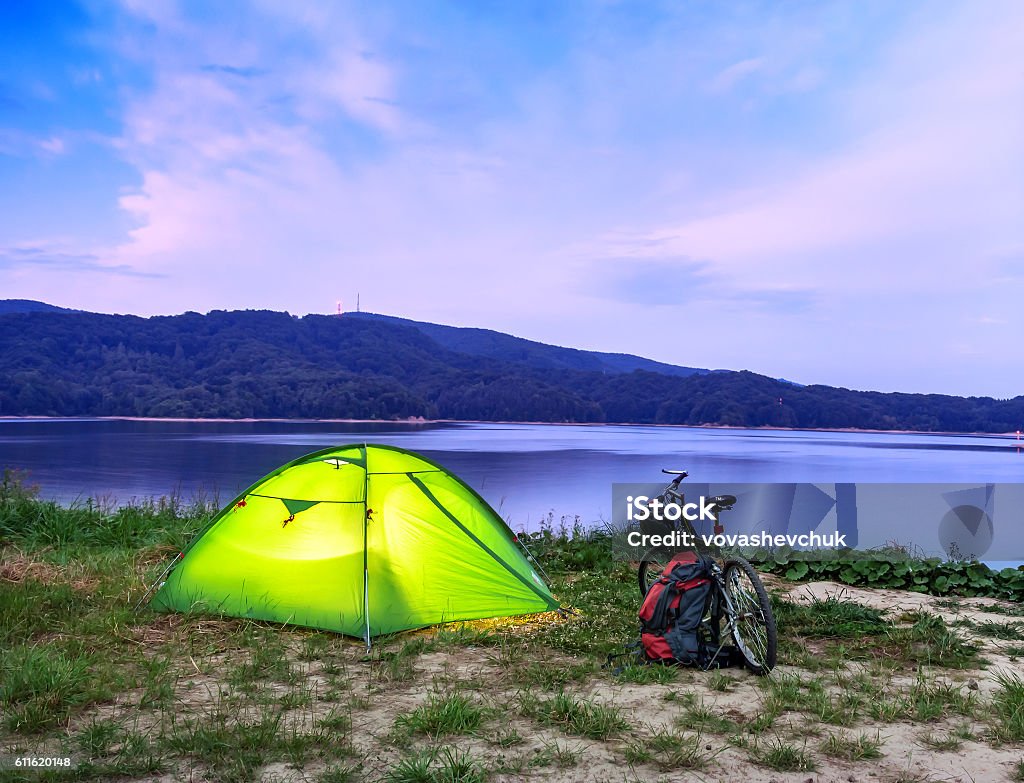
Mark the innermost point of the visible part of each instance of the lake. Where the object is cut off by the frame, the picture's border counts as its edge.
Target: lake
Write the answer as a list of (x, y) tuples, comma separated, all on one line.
[(528, 472)]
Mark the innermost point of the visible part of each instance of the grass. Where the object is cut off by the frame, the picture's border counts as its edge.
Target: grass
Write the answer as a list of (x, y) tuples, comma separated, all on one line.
[(1008, 708), (779, 755), (556, 754), (811, 696), (136, 696), (574, 716), (132, 754), (833, 617), (640, 674), (416, 768), (852, 748), (1010, 632), (553, 675), (926, 701), (942, 742), (232, 747), (396, 666), (932, 642), (39, 524), (930, 701), (863, 632), (42, 684), (443, 716), (703, 718), (157, 679), (30, 609), (335, 723), (268, 662), (1011, 610), (670, 750), (720, 682), (340, 773), (96, 739), (437, 765)]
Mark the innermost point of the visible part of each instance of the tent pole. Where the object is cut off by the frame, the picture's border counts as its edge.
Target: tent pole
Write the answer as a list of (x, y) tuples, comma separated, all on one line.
[(366, 522), (366, 609)]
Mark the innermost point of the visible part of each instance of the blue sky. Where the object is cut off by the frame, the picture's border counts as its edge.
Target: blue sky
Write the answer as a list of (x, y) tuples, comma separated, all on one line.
[(826, 192)]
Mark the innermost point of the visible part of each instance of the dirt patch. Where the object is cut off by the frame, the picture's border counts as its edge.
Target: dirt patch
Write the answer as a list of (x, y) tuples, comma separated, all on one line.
[(17, 567)]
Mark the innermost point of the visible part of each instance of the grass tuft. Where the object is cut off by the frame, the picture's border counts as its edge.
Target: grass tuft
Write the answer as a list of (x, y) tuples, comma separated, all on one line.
[(575, 716), (233, 747), (833, 618), (437, 765), (669, 749), (851, 748), (1008, 708), (780, 755), (443, 716)]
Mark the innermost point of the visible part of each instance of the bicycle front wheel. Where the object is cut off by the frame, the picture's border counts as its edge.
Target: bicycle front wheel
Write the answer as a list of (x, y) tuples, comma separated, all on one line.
[(752, 621)]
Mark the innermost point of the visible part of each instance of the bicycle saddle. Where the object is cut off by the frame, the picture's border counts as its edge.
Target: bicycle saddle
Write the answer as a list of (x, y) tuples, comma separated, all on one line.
[(723, 500)]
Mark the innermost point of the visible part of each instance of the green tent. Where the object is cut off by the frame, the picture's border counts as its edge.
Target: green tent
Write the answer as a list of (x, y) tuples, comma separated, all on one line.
[(364, 540)]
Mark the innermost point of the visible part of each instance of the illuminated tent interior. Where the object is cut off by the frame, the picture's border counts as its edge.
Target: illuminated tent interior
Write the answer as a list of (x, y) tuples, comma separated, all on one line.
[(363, 540)]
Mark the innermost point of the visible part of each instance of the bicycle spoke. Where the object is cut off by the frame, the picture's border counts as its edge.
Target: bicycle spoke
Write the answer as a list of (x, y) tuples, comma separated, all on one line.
[(748, 624)]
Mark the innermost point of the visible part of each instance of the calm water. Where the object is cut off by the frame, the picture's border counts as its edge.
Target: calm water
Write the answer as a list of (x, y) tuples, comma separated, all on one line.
[(526, 471)]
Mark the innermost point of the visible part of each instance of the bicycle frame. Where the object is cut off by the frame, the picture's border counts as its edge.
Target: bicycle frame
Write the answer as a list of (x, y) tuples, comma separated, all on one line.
[(727, 611), (672, 493)]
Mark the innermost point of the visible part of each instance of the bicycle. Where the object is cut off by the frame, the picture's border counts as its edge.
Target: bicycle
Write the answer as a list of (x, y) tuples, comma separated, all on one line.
[(738, 598)]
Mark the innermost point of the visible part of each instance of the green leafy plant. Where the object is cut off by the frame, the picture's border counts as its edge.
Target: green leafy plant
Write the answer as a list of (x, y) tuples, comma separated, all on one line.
[(896, 570)]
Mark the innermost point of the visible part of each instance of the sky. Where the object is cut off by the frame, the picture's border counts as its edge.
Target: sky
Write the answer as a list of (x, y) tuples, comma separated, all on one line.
[(826, 192)]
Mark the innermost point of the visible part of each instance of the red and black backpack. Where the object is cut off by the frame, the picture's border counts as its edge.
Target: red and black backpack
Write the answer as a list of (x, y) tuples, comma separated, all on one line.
[(680, 619), (673, 611)]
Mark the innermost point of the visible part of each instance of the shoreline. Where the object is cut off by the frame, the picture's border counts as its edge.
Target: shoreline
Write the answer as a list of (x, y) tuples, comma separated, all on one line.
[(417, 421)]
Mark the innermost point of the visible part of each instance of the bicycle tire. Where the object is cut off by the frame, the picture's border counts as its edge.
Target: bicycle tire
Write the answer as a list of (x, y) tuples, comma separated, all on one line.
[(651, 566), (756, 613)]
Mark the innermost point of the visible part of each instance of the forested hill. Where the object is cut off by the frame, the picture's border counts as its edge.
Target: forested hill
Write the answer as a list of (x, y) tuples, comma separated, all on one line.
[(29, 306), (497, 345), (268, 364)]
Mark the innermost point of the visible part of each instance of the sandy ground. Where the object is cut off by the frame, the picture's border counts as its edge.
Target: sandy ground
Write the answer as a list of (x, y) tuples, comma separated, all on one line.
[(482, 674), (648, 708), (906, 757)]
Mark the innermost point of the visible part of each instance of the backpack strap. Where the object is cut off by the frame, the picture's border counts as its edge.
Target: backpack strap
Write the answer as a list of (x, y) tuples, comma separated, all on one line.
[(663, 611), (635, 649)]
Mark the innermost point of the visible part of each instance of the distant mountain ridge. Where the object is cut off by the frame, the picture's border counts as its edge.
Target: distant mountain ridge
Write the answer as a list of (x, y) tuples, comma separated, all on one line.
[(498, 345), (265, 364), (30, 306), (474, 342)]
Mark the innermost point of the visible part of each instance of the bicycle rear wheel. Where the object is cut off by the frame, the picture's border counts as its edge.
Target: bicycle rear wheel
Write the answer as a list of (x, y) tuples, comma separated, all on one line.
[(753, 624), (651, 566)]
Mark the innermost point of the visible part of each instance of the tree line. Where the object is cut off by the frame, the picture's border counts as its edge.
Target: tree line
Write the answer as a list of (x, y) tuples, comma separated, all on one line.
[(262, 364)]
